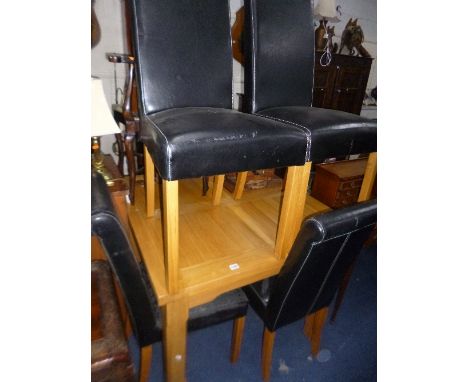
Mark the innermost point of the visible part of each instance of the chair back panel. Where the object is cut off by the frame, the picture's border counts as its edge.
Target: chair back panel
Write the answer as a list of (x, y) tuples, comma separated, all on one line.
[(183, 53), (279, 53), (322, 252), (139, 299)]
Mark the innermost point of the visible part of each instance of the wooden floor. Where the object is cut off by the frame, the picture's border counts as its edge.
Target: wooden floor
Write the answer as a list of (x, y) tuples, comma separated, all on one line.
[(215, 240)]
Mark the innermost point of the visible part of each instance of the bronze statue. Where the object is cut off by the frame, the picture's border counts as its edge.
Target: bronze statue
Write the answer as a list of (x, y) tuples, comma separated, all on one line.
[(352, 38)]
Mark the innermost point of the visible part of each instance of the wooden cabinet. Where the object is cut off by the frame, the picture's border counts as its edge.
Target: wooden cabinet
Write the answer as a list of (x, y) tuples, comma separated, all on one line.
[(338, 184), (342, 84)]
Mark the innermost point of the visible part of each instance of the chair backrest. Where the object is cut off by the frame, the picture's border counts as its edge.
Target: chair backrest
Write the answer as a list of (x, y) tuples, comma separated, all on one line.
[(279, 53), (139, 297), (325, 247), (183, 53)]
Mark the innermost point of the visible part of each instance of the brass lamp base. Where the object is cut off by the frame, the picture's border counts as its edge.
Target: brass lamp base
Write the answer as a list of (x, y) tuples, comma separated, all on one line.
[(97, 161)]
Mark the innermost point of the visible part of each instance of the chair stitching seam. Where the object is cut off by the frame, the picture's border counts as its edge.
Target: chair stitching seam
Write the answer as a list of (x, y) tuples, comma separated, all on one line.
[(343, 234), (329, 271), (292, 284), (168, 146), (254, 56), (301, 127)]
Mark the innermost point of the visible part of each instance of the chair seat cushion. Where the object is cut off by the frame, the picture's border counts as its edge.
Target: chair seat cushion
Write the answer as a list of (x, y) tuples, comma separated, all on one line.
[(333, 133), (201, 141)]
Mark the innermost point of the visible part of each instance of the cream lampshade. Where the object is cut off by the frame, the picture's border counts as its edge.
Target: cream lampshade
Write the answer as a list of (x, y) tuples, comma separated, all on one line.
[(326, 9), (102, 123)]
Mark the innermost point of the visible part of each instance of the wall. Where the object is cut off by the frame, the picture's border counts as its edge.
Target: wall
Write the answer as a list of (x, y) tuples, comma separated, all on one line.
[(111, 21), (110, 16)]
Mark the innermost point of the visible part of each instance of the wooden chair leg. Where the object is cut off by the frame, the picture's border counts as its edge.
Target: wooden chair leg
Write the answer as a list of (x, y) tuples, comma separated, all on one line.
[(218, 189), (319, 320), (146, 355), (309, 326), (236, 341), (267, 352), (205, 186), (240, 184), (149, 184), (120, 146), (170, 210), (292, 208), (369, 178), (129, 142)]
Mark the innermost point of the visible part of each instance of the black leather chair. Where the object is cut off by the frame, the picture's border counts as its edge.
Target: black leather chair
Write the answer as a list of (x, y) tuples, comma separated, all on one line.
[(141, 302), (324, 249), (184, 73), (279, 69)]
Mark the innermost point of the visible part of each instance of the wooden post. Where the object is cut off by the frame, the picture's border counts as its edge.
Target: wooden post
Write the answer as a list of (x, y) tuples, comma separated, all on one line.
[(149, 184), (171, 233), (240, 184), (369, 178), (175, 316), (217, 189)]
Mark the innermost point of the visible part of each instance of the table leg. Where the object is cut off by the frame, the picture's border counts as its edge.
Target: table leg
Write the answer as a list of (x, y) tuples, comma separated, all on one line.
[(175, 316)]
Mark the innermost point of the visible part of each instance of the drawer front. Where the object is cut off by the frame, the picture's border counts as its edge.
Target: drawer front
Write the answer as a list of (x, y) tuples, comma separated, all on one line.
[(350, 184), (346, 197)]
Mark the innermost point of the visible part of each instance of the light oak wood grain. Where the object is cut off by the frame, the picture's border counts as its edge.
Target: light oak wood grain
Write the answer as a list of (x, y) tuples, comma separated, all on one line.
[(240, 184), (369, 178), (218, 189), (149, 183)]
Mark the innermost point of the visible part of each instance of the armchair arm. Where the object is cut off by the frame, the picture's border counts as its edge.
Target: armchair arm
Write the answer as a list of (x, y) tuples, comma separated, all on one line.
[(125, 59)]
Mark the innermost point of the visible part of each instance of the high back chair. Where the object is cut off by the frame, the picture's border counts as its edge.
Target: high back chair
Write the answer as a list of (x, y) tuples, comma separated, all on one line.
[(184, 73), (324, 249), (139, 296), (278, 81)]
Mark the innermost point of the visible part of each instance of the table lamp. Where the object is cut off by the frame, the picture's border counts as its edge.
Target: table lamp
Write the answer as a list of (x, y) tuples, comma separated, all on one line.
[(326, 11), (102, 123)]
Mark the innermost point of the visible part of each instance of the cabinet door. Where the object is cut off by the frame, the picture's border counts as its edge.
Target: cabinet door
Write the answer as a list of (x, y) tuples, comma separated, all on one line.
[(324, 77), (350, 87)]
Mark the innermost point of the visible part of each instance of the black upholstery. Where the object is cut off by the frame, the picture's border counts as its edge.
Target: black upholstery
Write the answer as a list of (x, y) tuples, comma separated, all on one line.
[(184, 72), (279, 53), (278, 79), (210, 141), (140, 299), (333, 133), (324, 249)]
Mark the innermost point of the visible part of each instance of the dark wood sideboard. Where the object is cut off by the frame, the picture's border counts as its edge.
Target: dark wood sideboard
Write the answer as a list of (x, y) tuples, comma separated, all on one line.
[(342, 84)]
